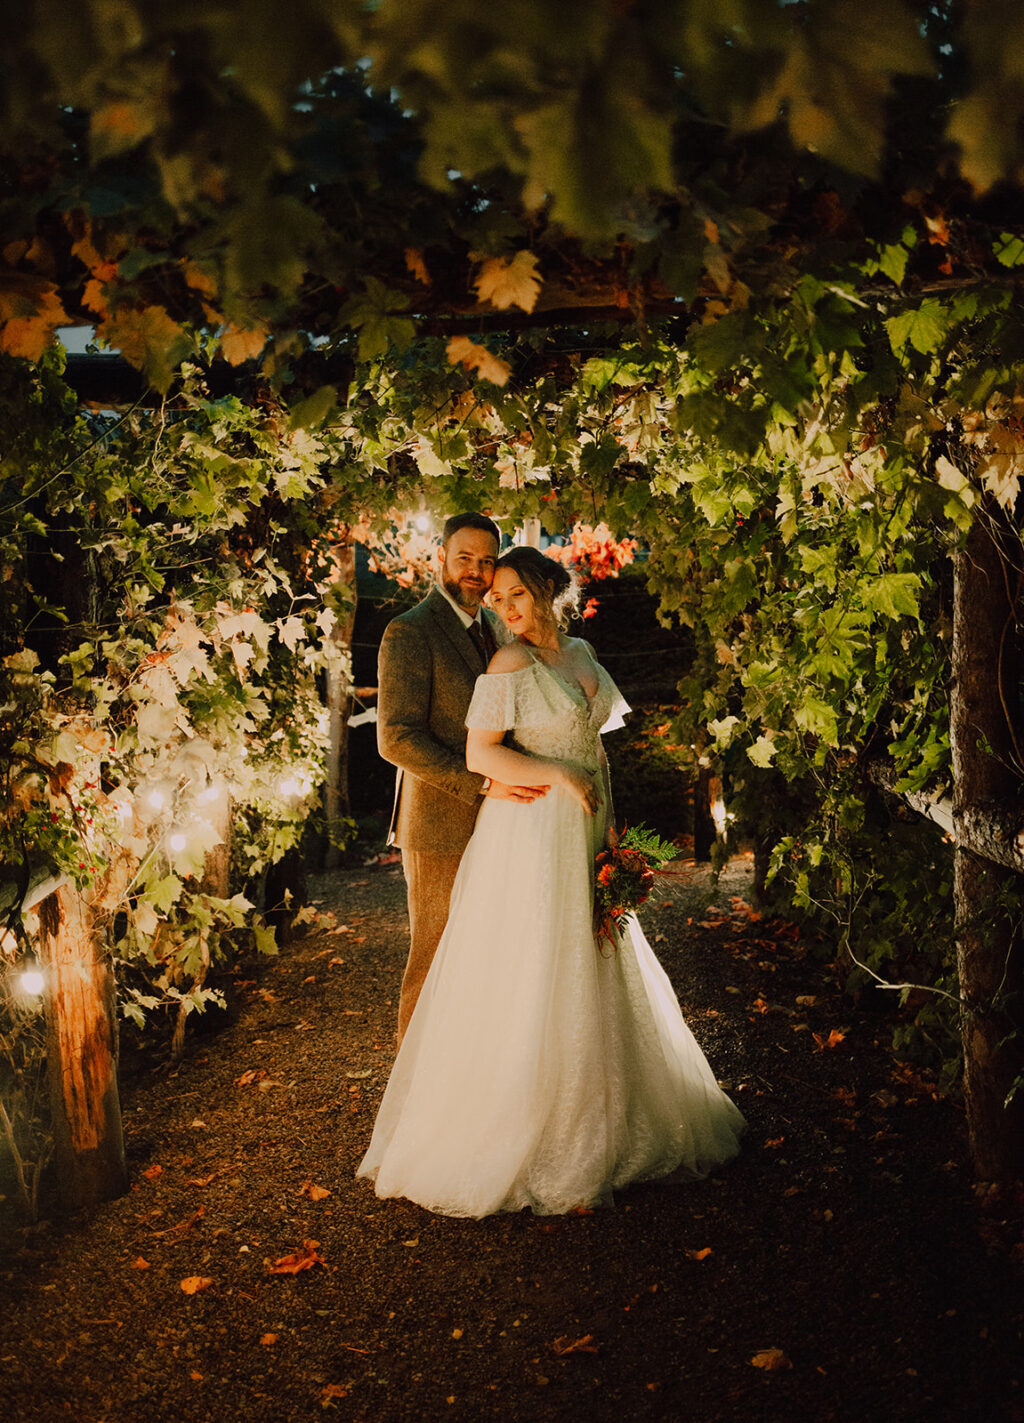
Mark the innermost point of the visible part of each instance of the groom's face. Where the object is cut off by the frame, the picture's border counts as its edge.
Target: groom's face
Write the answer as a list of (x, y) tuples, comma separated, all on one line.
[(467, 566)]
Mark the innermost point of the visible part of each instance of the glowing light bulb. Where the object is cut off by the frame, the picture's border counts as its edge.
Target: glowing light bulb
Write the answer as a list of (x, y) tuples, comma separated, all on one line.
[(423, 523), (210, 793), (156, 799), (288, 786), (177, 842), (32, 981)]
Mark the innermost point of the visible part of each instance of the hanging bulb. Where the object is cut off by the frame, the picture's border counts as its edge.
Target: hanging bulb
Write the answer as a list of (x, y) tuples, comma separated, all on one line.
[(156, 799), (176, 842), (32, 980)]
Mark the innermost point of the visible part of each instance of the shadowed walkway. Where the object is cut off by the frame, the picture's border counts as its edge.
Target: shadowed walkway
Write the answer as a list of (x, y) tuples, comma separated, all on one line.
[(844, 1237)]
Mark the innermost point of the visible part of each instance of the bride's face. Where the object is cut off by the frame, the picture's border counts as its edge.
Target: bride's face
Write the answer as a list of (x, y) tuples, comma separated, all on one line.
[(516, 606)]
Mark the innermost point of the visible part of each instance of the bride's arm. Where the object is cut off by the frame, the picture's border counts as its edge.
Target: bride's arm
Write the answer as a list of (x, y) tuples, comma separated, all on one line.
[(488, 757)]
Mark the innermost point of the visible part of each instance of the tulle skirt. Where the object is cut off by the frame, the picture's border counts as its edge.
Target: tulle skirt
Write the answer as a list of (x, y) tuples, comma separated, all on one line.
[(539, 1069)]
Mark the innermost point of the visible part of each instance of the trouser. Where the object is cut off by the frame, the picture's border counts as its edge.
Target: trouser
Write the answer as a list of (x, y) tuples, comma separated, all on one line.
[(429, 878)]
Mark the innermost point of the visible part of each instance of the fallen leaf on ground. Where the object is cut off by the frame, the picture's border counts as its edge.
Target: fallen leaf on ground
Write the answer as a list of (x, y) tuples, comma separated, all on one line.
[(564, 1345), (771, 1359), (254, 1074), (774, 1141), (700, 1254), (331, 1391), (298, 1260), (192, 1284), (807, 1000), (268, 1339), (834, 1038), (139, 1263), (152, 1172), (315, 1193)]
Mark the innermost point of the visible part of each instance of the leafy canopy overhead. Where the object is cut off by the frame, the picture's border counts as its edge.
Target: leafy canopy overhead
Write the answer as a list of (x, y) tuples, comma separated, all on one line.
[(175, 169)]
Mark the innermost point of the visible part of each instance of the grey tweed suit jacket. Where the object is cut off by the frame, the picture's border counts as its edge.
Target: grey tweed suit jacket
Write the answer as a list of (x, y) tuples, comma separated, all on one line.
[(426, 672)]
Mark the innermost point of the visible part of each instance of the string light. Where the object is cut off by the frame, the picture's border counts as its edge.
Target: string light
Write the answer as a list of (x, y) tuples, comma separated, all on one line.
[(210, 793), (32, 980), (156, 799), (176, 842), (289, 787)]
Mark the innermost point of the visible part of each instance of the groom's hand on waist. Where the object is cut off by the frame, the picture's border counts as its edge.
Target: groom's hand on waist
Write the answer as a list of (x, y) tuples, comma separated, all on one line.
[(497, 790)]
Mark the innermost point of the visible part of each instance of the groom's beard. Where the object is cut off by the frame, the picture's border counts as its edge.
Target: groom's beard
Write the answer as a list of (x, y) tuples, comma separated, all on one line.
[(468, 598)]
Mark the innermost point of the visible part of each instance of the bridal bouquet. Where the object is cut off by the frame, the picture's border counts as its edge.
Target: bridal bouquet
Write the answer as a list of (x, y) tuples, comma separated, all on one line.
[(624, 876)]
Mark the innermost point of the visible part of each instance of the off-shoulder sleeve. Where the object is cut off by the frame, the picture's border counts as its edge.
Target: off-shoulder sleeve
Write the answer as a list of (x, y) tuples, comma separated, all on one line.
[(609, 705), (493, 704), (618, 707)]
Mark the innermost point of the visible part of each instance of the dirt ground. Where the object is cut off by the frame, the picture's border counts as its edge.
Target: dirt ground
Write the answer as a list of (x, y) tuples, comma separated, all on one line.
[(845, 1246)]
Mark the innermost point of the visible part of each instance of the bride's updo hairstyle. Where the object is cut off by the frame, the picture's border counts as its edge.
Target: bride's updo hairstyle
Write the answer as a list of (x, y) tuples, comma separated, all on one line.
[(551, 584)]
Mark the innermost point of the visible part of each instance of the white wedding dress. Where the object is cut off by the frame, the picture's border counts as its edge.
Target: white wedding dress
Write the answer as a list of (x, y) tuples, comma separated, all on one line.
[(539, 1069)]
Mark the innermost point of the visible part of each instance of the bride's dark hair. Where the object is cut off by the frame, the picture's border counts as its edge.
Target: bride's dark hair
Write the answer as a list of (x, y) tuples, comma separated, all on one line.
[(549, 582)]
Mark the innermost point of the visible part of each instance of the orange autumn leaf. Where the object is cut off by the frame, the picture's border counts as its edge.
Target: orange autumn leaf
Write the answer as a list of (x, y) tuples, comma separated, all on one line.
[(139, 1263), (253, 1074), (700, 1254), (315, 1193), (565, 1345), (152, 1172), (834, 1038), (241, 345), (771, 1359), (192, 1284), (415, 264), (121, 119), (462, 351), (298, 1260), (200, 280), (31, 311), (268, 1339), (333, 1390)]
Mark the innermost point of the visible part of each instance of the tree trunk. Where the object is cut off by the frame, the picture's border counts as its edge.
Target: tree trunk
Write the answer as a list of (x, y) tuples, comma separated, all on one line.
[(337, 804), (704, 828), (217, 866), (984, 705), (81, 1051)]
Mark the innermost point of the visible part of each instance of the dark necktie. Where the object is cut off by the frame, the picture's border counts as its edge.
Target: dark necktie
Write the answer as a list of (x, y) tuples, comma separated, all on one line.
[(476, 632)]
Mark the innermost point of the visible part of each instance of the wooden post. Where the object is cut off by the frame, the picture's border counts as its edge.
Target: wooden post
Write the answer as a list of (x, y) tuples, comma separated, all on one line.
[(339, 701), (217, 865), (81, 1051), (990, 954)]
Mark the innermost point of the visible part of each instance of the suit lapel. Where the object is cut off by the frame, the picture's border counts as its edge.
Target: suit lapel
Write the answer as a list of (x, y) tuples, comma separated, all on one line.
[(450, 624)]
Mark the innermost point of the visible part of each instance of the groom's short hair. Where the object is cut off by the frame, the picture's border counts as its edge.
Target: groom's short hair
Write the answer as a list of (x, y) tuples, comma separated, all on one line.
[(470, 521)]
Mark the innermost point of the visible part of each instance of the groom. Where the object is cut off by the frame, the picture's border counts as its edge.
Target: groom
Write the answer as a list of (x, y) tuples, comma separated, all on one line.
[(430, 658)]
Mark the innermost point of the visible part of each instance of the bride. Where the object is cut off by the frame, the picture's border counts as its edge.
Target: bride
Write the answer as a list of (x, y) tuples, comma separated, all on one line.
[(540, 1069)]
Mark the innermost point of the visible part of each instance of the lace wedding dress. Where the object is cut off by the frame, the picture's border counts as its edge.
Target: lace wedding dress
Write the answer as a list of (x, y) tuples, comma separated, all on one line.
[(539, 1069)]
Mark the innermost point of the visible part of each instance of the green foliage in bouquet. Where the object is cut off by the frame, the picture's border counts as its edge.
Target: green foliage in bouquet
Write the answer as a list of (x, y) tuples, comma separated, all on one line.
[(624, 876)]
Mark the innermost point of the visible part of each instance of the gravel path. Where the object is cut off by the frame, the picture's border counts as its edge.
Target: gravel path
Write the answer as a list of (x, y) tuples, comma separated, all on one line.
[(845, 1238)]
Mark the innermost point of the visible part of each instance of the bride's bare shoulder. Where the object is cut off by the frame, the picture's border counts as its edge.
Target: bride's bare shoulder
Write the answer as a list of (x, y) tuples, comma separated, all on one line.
[(510, 658)]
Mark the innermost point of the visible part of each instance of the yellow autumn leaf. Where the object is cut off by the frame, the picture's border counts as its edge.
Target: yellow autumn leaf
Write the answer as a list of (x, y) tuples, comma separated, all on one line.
[(240, 345), (509, 283), (462, 351), (136, 331)]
